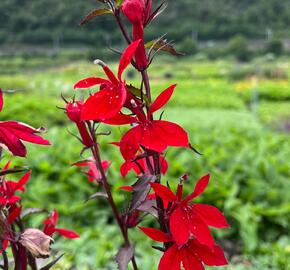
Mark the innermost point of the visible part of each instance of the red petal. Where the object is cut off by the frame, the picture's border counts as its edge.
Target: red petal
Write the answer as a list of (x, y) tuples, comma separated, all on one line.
[(127, 57), (210, 256), (89, 82), (161, 100), (179, 226), (121, 119), (190, 261), (200, 231), (23, 180), (163, 165), (14, 214), (164, 192), (126, 188), (67, 233), (104, 104), (211, 215), (170, 260), (1, 100), (130, 143), (12, 142), (199, 188), (54, 217), (161, 134), (156, 235)]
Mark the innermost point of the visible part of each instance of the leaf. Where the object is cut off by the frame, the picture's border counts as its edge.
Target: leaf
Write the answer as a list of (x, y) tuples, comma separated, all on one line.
[(51, 264), (13, 170), (140, 191), (162, 45), (97, 195), (124, 256), (30, 211), (95, 13), (137, 92), (119, 2)]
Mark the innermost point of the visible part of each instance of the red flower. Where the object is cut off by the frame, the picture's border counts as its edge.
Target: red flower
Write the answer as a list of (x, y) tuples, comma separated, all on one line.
[(50, 229), (73, 111), (109, 100), (138, 13), (93, 173), (154, 135), (189, 221), (12, 134), (192, 255), (9, 188)]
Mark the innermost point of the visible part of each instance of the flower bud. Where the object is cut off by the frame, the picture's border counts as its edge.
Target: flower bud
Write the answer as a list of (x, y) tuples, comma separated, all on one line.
[(134, 10), (74, 110), (36, 242)]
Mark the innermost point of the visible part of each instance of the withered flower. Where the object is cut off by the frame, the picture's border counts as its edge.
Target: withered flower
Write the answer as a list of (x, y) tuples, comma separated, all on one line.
[(36, 242)]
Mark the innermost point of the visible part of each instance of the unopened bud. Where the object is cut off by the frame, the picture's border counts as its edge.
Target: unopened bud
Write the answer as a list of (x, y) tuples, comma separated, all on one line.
[(36, 242)]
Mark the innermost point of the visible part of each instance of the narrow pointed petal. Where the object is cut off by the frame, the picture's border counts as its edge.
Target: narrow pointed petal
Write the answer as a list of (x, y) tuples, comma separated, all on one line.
[(179, 226), (90, 82), (23, 180), (161, 100), (156, 235), (211, 215), (164, 192), (67, 233), (127, 57), (14, 214), (199, 188), (121, 119), (170, 260)]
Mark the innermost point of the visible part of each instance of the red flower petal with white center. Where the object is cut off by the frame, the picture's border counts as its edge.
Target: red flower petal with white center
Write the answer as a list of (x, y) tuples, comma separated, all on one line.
[(164, 192), (127, 57), (161, 100), (130, 143), (156, 235), (67, 233), (90, 82), (104, 104), (210, 215), (159, 134), (171, 259), (7, 138), (190, 261), (210, 256), (199, 188), (179, 227)]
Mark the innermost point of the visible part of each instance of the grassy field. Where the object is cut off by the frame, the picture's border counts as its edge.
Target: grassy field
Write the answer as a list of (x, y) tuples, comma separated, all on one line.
[(237, 115)]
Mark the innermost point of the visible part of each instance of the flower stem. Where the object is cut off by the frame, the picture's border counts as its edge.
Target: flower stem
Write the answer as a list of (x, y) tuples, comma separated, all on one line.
[(97, 157)]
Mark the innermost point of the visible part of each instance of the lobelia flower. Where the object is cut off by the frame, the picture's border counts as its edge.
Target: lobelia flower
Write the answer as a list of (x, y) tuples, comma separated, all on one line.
[(138, 13), (9, 188), (73, 111), (107, 103), (192, 255), (50, 227), (12, 134), (190, 221), (93, 173), (154, 135)]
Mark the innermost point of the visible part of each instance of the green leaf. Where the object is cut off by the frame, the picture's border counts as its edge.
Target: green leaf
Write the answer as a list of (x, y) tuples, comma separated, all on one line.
[(119, 2), (51, 264), (95, 13), (137, 92), (162, 45)]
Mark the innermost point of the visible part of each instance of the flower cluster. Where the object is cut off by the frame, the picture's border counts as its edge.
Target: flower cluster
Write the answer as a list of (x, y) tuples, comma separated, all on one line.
[(26, 244)]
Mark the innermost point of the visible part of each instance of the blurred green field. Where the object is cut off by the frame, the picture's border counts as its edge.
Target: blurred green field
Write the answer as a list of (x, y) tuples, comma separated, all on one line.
[(237, 115)]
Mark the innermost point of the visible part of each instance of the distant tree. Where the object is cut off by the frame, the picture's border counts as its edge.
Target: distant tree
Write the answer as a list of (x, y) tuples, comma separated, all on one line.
[(275, 46), (238, 46)]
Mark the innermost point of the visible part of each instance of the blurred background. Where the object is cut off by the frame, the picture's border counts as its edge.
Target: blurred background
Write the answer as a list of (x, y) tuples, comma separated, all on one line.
[(233, 97)]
